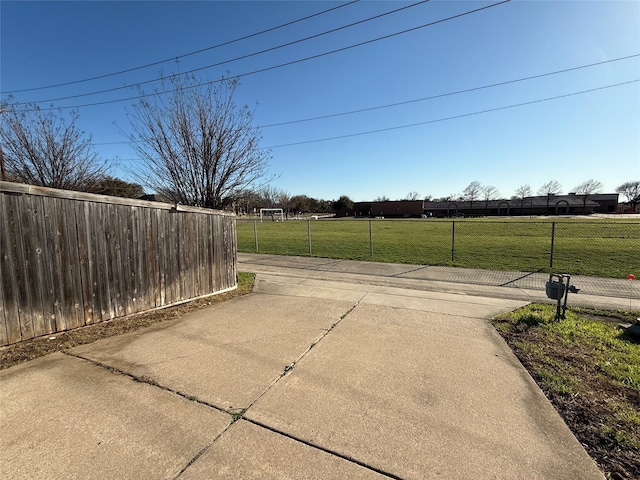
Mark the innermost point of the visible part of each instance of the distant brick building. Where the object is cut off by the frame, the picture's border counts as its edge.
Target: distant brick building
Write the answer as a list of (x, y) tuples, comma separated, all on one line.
[(391, 209), (541, 205)]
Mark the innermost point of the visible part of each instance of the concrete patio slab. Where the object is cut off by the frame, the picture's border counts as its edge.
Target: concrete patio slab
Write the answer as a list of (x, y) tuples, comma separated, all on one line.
[(335, 379), (421, 396), (226, 355), (63, 417)]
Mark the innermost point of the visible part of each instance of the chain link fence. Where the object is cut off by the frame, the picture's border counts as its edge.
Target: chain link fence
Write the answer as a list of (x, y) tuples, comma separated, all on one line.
[(577, 247)]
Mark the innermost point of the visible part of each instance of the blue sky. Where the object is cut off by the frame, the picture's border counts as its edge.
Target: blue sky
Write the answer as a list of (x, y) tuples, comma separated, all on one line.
[(570, 139)]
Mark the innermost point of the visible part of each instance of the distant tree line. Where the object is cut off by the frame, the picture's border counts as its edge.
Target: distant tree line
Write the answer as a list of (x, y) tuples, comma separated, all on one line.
[(251, 201), (477, 192)]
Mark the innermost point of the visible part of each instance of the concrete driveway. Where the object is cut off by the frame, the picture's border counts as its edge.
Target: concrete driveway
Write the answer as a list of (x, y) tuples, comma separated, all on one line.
[(301, 379)]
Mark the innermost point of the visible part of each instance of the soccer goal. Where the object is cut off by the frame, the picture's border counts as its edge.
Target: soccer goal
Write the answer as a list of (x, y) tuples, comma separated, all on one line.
[(271, 212)]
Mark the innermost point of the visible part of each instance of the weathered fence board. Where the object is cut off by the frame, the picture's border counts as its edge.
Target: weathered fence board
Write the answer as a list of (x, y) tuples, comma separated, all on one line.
[(27, 305), (8, 268), (69, 259), (86, 259), (39, 275)]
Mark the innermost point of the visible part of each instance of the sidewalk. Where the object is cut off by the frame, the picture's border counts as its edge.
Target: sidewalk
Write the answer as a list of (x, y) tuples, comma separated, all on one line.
[(305, 378), (594, 292)]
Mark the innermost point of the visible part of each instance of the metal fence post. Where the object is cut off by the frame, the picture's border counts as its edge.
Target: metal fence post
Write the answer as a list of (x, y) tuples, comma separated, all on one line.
[(370, 239), (553, 238), (255, 233), (453, 241), (309, 234)]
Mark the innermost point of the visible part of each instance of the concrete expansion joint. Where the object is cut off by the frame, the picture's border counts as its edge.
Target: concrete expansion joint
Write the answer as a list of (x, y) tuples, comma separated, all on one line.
[(421, 267), (238, 414), (149, 381), (290, 366), (235, 415), (329, 451), (521, 277), (331, 264), (203, 450), (335, 324)]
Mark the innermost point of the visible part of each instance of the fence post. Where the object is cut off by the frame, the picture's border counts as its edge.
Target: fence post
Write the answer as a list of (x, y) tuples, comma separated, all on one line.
[(553, 238), (453, 241), (255, 233), (309, 234), (370, 239)]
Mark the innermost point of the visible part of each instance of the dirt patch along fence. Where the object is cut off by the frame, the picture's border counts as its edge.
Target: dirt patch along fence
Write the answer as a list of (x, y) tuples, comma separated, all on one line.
[(70, 259)]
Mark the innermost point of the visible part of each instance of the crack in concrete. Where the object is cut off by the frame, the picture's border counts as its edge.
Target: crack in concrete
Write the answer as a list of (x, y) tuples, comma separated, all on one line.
[(288, 368), (239, 414), (235, 416)]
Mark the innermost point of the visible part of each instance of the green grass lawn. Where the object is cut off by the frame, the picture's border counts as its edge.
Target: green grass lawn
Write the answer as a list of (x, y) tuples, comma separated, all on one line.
[(597, 248), (590, 370)]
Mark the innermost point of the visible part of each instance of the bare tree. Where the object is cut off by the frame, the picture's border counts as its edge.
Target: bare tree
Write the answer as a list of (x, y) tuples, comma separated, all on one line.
[(550, 190), (631, 190), (272, 197), (245, 201), (489, 192), (48, 149), (199, 147), (413, 196), (522, 192), (445, 198), (586, 189), (472, 192), (383, 198), (116, 187)]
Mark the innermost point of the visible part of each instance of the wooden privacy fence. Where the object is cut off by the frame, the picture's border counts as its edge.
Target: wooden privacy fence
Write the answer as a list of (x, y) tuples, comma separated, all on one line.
[(70, 259)]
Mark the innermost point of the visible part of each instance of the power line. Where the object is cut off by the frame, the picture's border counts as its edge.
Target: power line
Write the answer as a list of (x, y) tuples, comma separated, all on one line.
[(293, 62), (448, 94), (195, 52), (369, 132), (480, 112), (242, 57), (368, 109)]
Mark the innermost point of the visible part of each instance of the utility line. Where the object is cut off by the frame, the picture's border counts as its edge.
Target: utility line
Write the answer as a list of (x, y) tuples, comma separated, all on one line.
[(368, 109), (195, 52), (448, 94), (293, 62), (242, 57), (369, 132), (399, 127)]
